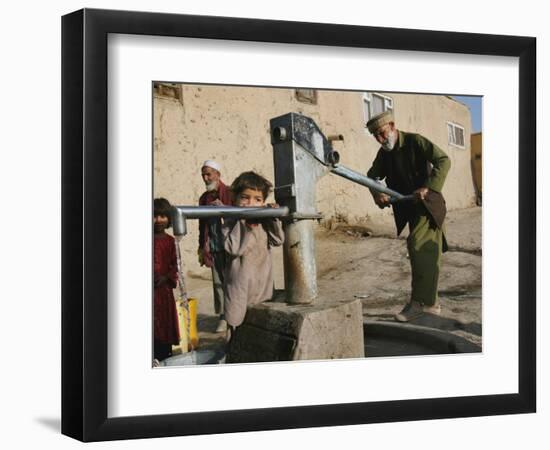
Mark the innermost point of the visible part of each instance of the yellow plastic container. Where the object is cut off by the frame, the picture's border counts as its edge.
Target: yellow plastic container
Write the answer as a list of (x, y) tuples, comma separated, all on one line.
[(191, 340), (194, 332)]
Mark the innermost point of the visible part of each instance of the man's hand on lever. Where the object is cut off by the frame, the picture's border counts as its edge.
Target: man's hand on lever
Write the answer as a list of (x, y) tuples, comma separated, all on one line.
[(382, 200), (421, 193)]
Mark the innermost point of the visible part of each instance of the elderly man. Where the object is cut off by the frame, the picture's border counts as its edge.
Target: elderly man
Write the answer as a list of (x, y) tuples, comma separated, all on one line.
[(411, 164), (211, 252)]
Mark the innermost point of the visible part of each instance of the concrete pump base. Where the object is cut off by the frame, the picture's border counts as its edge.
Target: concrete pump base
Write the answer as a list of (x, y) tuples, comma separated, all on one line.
[(276, 331)]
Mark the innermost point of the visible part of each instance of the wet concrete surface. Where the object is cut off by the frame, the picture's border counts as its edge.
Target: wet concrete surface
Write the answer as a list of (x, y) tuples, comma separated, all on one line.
[(380, 346)]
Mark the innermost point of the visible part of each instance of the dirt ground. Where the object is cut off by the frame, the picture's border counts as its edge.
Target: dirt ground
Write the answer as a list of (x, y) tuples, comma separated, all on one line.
[(370, 263)]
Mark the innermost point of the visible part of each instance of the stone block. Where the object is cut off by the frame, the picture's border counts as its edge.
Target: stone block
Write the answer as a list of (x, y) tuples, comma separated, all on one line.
[(275, 331)]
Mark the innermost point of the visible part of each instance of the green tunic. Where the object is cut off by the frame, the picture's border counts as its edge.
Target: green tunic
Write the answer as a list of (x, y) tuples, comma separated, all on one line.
[(416, 162)]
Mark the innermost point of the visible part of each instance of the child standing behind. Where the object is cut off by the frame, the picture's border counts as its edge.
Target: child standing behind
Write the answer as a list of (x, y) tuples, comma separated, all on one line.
[(247, 243), (165, 315)]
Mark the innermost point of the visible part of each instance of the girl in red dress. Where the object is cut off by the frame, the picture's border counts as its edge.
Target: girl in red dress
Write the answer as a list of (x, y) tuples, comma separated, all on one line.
[(165, 315)]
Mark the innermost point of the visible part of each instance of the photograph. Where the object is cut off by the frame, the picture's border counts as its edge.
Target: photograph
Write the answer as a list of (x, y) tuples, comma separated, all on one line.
[(296, 224)]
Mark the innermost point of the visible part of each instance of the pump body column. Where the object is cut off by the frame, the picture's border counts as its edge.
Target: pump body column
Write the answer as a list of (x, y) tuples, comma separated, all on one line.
[(297, 171)]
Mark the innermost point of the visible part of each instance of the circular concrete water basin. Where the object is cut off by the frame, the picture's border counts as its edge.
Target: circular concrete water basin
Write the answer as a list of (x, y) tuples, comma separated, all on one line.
[(381, 338), (396, 339)]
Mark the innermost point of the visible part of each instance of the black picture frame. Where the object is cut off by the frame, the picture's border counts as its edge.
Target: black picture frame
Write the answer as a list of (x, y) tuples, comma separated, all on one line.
[(84, 224)]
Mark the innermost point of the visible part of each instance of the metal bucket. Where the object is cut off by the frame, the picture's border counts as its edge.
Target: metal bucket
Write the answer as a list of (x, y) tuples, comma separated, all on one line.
[(194, 358)]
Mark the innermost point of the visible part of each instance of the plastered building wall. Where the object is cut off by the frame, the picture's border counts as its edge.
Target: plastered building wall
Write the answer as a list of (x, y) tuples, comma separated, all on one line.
[(476, 144), (231, 125)]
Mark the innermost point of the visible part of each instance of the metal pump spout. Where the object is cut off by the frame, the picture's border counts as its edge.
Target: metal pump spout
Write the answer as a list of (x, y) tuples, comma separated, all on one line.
[(181, 213)]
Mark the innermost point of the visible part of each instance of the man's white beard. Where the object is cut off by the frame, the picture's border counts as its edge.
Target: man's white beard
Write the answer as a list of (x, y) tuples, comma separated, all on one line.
[(389, 143), (212, 186)]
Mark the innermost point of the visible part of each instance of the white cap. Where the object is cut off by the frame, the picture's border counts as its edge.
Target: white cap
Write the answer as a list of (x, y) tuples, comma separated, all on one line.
[(213, 164)]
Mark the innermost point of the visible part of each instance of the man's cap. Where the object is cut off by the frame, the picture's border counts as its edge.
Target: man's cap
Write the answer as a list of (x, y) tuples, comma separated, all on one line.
[(379, 121), (212, 164)]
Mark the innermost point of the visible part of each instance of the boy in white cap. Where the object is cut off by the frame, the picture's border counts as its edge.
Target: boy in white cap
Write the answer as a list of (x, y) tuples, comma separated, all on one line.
[(211, 251)]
